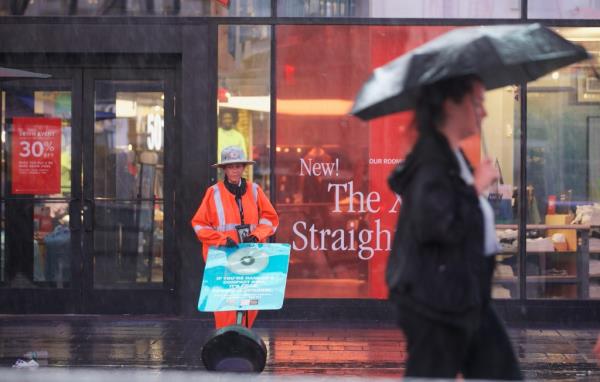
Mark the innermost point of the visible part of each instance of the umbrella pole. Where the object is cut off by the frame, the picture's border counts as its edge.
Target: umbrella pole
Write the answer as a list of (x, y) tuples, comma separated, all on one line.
[(484, 145), (486, 155)]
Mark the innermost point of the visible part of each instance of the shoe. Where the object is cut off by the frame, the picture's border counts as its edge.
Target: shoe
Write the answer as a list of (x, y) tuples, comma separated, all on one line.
[(21, 364)]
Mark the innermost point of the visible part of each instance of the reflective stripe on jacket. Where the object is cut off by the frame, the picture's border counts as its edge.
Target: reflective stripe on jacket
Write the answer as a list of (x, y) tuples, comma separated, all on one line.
[(218, 214)]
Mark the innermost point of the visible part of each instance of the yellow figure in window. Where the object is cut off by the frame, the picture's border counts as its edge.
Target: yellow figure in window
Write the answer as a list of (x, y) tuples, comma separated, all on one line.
[(228, 134)]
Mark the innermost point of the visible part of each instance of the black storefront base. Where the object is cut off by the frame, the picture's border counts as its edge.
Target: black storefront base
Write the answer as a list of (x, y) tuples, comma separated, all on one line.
[(561, 313), (515, 313), (70, 301)]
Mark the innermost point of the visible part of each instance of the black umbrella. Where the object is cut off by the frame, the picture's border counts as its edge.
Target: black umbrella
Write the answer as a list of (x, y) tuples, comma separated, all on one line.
[(500, 55), (16, 73)]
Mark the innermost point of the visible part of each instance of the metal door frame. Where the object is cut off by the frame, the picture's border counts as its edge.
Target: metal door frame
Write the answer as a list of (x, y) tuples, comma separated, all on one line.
[(134, 301), (50, 300)]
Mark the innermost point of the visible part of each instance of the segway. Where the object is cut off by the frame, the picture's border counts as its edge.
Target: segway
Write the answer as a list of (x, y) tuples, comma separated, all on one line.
[(234, 348), (250, 277)]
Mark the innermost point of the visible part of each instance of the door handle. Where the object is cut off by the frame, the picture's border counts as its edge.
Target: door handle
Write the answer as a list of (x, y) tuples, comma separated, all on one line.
[(74, 215), (88, 215)]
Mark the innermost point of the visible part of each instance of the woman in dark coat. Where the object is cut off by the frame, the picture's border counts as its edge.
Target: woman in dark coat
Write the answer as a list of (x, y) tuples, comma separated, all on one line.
[(441, 265)]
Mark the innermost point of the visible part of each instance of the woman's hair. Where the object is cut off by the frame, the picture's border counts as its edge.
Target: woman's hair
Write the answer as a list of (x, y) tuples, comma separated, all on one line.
[(429, 111)]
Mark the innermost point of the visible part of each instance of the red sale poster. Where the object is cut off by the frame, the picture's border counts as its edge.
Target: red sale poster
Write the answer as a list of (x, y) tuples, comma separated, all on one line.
[(36, 156)]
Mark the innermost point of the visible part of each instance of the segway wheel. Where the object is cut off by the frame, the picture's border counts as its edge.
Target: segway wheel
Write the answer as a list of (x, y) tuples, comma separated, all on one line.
[(234, 348)]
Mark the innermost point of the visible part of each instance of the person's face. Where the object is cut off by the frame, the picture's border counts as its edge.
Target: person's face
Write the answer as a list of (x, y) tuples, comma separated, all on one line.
[(473, 110), (234, 172), (465, 117), (227, 121)]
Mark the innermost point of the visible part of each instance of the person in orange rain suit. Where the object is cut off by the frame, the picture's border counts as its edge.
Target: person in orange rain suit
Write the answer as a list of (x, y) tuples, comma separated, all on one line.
[(231, 208)]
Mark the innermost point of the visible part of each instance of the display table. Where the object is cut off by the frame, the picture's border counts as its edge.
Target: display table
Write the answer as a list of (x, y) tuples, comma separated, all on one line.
[(553, 269)]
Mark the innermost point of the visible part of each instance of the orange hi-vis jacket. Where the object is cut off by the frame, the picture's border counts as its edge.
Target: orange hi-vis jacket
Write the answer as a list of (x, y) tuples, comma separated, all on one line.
[(215, 221)]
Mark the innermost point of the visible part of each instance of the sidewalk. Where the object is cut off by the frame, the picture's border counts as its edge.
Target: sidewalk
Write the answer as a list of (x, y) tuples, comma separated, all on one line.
[(363, 349)]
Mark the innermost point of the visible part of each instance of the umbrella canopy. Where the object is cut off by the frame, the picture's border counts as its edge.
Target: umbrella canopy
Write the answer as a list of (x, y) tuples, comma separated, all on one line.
[(16, 73), (500, 55)]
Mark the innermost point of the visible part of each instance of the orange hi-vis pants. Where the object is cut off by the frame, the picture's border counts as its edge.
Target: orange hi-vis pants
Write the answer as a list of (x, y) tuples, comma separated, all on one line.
[(223, 319)]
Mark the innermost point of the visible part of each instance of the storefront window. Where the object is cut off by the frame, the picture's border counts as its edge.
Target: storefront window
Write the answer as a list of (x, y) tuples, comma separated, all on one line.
[(244, 101), (563, 9), (331, 168), (563, 181), (238, 8), (496, 9), (36, 183)]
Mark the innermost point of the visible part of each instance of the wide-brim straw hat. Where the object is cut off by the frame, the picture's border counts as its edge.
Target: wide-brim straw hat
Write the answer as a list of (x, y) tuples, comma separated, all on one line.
[(233, 155)]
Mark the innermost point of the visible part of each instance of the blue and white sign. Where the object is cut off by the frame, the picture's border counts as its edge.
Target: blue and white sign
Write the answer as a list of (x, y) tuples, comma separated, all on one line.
[(250, 277)]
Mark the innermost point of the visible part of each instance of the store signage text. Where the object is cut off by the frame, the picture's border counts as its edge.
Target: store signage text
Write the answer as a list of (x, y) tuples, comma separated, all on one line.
[(310, 168), (154, 126), (364, 241)]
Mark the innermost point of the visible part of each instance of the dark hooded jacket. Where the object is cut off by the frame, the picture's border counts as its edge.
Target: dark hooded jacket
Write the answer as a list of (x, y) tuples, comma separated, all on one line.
[(437, 267)]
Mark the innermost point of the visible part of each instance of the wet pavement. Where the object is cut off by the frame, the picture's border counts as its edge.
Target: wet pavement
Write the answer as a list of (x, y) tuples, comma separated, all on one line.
[(296, 348)]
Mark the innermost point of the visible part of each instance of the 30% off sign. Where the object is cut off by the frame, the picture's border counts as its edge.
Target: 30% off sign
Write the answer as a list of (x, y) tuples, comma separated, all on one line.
[(36, 166)]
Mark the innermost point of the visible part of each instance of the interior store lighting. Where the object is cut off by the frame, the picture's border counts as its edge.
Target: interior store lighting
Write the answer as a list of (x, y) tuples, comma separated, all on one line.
[(314, 107)]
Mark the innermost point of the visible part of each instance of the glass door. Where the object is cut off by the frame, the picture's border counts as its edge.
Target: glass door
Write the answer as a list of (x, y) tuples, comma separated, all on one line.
[(128, 124), (40, 195)]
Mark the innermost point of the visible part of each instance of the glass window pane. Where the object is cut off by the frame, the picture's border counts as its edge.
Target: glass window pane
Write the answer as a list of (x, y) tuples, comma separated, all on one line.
[(128, 245), (36, 245), (244, 102), (36, 136), (241, 8), (128, 169), (501, 140), (332, 169), (494, 9), (322, 156), (128, 138), (563, 9), (563, 182)]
